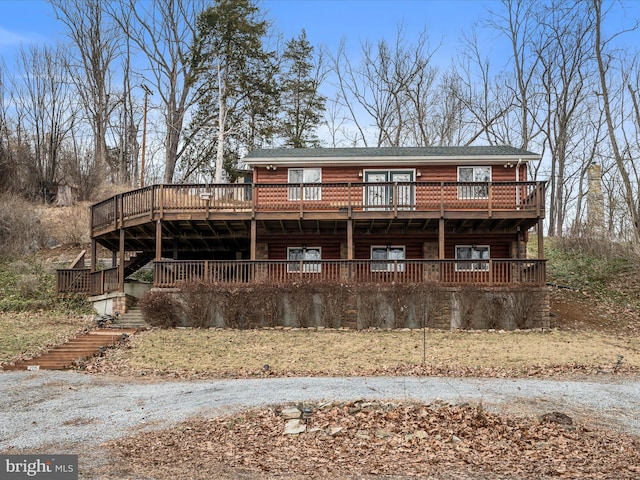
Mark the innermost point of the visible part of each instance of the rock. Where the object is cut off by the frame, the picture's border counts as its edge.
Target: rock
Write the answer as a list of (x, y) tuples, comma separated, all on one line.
[(294, 427), (382, 433), (420, 434), (333, 431), (556, 417), (290, 413), (454, 439), (363, 434)]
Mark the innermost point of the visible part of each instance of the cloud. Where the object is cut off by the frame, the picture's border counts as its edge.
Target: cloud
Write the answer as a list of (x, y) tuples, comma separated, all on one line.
[(8, 38)]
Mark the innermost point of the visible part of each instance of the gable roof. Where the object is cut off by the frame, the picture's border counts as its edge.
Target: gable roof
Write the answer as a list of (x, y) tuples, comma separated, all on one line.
[(404, 155)]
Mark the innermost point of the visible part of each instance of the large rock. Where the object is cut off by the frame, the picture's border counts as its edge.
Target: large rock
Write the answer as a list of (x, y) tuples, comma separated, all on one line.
[(294, 427), (291, 413)]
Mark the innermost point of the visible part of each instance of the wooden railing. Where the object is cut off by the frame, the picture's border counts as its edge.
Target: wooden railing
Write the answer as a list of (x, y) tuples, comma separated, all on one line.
[(494, 272), (156, 200), (173, 273)]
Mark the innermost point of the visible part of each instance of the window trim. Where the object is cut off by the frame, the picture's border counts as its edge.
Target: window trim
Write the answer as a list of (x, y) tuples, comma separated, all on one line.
[(473, 262), (474, 192), (309, 192), (388, 191), (386, 263), (308, 266)]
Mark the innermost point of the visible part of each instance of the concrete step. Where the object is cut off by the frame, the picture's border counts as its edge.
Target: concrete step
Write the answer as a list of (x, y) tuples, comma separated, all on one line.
[(79, 348), (132, 319)]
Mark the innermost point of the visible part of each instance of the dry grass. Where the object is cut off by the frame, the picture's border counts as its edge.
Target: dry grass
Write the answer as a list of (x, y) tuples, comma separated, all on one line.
[(27, 334), (215, 353)]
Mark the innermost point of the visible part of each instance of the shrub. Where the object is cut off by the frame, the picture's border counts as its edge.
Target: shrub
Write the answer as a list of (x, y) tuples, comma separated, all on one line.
[(161, 309), (20, 229)]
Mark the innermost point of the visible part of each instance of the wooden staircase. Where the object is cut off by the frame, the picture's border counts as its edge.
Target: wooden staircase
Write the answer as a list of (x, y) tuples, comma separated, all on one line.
[(79, 348)]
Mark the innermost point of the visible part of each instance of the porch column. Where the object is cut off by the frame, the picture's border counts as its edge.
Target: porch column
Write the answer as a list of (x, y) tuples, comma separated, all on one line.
[(158, 240), (349, 239), (121, 263), (441, 239), (540, 239), (254, 232), (94, 255)]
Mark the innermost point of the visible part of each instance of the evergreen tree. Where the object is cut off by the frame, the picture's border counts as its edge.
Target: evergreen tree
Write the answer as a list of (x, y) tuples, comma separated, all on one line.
[(302, 105), (236, 78)]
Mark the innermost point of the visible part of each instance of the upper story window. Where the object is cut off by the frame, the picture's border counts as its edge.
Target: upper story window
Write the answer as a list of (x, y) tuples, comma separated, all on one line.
[(305, 175), (302, 258), (472, 252), (471, 175), (390, 253)]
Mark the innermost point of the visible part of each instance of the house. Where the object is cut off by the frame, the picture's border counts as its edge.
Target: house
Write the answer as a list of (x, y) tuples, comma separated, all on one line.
[(451, 216)]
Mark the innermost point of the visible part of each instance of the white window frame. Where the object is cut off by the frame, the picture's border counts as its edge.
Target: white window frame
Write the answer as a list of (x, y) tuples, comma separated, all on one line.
[(387, 264), (479, 175), (385, 193), (309, 265), (469, 264), (309, 176)]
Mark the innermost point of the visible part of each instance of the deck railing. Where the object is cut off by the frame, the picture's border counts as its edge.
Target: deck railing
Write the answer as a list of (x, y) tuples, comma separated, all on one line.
[(494, 272), (156, 200), (173, 273)]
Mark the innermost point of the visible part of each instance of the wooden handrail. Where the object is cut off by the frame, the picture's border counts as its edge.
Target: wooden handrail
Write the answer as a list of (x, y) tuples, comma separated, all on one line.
[(326, 197)]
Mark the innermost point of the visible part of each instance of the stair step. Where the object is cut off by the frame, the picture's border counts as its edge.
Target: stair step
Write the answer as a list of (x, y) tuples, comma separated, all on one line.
[(78, 348)]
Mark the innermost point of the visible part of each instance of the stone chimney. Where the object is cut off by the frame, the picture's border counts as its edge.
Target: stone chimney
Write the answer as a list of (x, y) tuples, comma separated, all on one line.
[(595, 202)]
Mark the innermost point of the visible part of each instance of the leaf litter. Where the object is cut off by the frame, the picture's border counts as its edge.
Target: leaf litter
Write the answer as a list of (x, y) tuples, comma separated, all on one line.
[(382, 439)]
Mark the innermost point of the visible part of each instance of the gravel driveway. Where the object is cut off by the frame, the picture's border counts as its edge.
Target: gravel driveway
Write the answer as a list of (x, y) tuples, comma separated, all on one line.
[(68, 412)]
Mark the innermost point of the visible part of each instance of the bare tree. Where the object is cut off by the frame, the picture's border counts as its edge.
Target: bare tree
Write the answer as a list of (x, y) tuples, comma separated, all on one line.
[(393, 85), (565, 64), (164, 31), (623, 145), (45, 101), (96, 41)]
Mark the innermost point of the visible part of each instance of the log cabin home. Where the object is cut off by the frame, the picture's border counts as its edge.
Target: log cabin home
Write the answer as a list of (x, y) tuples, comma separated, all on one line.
[(452, 216)]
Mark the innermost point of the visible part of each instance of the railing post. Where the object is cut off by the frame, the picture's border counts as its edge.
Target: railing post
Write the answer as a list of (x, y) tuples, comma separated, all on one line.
[(442, 199), (490, 272), (490, 198)]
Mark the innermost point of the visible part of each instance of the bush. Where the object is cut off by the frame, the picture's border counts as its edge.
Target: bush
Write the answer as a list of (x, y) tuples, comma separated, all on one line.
[(20, 229), (161, 309)]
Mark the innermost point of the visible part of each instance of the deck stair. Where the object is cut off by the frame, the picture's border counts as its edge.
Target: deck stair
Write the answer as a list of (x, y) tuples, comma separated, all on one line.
[(136, 262), (79, 348)]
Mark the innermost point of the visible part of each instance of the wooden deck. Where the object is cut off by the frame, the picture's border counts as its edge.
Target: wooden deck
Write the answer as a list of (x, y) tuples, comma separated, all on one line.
[(318, 201)]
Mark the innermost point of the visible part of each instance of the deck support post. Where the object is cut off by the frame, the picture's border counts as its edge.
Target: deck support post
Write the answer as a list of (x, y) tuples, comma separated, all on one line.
[(349, 239), (158, 240), (540, 239), (94, 254), (121, 263), (254, 232), (441, 239)]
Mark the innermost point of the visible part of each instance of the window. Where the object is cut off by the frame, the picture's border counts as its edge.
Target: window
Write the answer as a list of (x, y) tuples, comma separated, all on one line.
[(471, 175), (387, 253), (306, 255), (305, 175), (472, 252)]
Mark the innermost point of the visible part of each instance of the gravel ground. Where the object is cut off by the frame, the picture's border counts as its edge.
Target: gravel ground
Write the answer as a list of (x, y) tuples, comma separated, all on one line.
[(68, 412)]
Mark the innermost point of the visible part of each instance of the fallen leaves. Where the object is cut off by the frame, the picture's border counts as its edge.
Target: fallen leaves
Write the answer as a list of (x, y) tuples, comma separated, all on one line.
[(384, 438)]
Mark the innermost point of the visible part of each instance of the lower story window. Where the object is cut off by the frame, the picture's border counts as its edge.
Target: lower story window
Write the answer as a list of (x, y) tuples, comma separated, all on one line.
[(389, 253), (470, 253), (303, 257)]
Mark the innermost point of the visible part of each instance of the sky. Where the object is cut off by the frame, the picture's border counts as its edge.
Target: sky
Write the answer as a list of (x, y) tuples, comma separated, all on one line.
[(326, 22)]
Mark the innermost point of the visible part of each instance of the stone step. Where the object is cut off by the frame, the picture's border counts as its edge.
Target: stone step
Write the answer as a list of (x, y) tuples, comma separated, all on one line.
[(81, 347)]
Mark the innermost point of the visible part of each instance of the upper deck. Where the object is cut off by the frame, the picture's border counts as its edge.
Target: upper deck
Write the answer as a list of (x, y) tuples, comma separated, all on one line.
[(510, 203)]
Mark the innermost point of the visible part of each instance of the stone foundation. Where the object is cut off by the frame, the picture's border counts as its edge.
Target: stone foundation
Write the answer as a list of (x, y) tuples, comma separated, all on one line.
[(372, 306)]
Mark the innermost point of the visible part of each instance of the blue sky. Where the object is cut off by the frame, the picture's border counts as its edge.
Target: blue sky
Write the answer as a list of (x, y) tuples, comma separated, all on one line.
[(325, 21)]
